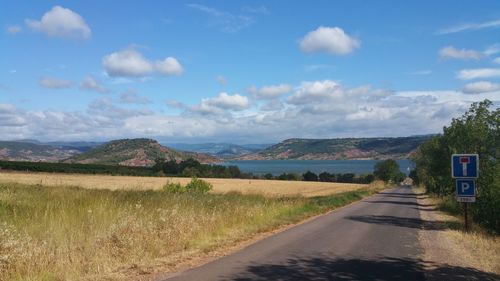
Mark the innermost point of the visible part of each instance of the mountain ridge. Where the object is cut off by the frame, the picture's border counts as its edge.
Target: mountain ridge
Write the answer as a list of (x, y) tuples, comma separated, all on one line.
[(340, 149)]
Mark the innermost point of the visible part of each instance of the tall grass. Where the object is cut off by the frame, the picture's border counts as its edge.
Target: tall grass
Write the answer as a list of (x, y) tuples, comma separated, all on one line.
[(71, 233)]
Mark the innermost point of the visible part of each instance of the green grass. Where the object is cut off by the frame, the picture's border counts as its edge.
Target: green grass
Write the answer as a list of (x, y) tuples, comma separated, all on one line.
[(70, 233)]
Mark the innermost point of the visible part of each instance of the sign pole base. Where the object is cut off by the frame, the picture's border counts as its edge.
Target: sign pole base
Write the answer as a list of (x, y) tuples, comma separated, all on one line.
[(465, 217)]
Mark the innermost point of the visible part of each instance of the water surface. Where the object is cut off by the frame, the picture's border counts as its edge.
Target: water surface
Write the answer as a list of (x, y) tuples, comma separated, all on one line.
[(277, 167)]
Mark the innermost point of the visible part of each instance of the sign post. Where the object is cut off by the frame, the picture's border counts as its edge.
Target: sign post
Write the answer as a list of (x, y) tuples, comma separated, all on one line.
[(465, 170)]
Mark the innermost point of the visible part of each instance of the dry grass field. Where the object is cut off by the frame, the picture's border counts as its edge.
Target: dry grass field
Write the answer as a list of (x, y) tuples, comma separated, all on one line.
[(85, 227), (263, 187)]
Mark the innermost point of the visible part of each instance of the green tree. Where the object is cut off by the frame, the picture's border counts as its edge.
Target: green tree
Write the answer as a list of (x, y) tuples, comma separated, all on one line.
[(310, 176), (386, 170), (477, 131)]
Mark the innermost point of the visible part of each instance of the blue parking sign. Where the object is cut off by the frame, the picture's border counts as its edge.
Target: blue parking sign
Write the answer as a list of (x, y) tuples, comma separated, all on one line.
[(466, 187), (464, 165)]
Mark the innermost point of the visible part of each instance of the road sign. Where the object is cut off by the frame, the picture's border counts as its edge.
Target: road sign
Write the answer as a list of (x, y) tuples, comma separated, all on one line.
[(464, 165), (465, 188)]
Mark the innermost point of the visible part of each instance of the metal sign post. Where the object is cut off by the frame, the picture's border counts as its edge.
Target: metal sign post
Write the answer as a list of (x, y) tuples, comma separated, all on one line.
[(465, 170)]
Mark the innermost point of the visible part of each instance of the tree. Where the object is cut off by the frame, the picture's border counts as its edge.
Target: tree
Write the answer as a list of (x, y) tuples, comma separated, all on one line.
[(326, 177), (386, 170), (477, 131), (310, 176)]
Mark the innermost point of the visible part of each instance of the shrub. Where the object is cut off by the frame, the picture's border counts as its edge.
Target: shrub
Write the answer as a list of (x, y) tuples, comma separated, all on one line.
[(198, 186), (174, 188)]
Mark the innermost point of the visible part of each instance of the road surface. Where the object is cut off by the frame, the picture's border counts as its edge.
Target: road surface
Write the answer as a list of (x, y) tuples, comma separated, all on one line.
[(374, 239)]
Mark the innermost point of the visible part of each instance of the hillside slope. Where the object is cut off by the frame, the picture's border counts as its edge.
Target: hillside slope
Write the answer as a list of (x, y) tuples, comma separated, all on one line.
[(221, 150), (135, 152), (335, 149), (36, 152)]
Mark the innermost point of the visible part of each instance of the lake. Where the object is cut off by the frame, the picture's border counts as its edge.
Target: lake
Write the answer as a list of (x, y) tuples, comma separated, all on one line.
[(277, 167)]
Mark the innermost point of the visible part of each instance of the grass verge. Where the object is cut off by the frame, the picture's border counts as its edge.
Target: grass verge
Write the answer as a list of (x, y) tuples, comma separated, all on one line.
[(71, 233), (477, 248)]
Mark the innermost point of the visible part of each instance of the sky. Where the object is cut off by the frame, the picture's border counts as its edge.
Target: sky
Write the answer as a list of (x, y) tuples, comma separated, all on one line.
[(243, 71)]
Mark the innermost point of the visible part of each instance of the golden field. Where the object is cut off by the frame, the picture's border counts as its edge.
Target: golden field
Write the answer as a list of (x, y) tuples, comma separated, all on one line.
[(263, 187), (123, 228)]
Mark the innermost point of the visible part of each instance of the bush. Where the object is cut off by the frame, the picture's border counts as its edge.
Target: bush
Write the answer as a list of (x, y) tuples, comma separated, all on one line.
[(198, 186), (174, 188)]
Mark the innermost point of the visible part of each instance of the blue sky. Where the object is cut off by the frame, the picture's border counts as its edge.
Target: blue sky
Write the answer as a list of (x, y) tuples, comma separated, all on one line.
[(243, 71)]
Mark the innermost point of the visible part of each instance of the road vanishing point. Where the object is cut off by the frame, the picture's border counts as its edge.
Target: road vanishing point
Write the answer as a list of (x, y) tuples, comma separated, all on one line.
[(373, 239)]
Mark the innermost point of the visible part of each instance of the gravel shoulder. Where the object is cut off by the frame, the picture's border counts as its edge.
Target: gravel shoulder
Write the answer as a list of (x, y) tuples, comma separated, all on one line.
[(446, 245)]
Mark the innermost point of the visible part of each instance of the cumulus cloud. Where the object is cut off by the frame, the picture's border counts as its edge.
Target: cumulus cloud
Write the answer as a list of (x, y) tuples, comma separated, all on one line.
[(91, 83), (61, 22), (451, 52), (331, 40), (169, 66), (481, 87), (468, 74), (128, 62), (469, 27), (221, 104), (314, 109), (131, 63), (55, 83), (13, 29), (315, 91), (270, 92)]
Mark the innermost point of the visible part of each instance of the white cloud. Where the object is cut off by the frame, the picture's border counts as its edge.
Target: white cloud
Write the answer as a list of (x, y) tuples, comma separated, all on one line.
[(318, 109), (271, 91), (13, 29), (469, 27), (221, 104), (61, 22), (221, 80), (228, 22), (55, 83), (467, 74), (128, 62), (331, 40), (451, 52), (131, 63), (481, 87), (493, 49), (226, 101), (315, 91), (107, 108), (421, 72), (497, 60), (91, 83), (131, 96), (169, 66)]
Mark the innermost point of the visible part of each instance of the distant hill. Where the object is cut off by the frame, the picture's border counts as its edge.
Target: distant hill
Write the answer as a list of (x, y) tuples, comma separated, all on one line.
[(135, 152), (221, 150), (334, 149), (35, 151)]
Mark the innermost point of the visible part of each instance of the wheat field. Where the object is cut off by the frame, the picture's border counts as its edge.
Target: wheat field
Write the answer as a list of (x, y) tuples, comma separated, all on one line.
[(120, 228), (245, 186)]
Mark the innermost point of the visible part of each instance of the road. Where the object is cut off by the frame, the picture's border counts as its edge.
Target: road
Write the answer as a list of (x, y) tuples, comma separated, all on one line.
[(374, 239)]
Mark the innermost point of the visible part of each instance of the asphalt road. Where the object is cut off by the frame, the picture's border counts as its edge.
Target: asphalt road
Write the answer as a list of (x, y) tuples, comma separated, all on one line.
[(374, 239)]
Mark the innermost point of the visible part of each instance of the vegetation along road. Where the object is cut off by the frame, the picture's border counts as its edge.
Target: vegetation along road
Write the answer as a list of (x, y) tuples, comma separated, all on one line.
[(374, 239)]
